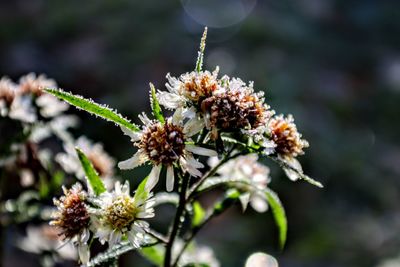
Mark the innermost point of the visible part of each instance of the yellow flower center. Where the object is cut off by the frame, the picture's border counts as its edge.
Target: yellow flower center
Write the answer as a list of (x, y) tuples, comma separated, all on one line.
[(121, 213)]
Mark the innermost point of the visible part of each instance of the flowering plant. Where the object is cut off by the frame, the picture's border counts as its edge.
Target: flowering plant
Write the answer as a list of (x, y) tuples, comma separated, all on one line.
[(216, 130)]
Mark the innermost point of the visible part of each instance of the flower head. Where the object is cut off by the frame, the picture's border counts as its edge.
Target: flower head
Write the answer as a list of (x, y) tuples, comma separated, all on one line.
[(32, 84), (247, 168), (7, 90), (189, 89), (286, 137), (234, 107), (73, 219), (164, 144), (102, 162), (122, 215)]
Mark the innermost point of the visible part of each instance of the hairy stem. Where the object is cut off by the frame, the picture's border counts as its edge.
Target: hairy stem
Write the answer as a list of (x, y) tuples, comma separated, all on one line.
[(178, 219)]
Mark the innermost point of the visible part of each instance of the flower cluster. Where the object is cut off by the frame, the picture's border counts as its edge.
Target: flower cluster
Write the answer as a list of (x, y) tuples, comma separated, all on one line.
[(26, 101), (110, 216), (221, 120)]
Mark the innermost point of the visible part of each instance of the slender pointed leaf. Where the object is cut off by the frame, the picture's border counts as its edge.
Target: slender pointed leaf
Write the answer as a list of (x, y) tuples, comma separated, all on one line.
[(93, 108), (279, 215), (93, 179), (155, 106), (200, 57)]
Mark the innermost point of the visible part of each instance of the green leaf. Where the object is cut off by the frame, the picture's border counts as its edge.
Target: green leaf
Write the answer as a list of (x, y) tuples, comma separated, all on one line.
[(141, 192), (155, 254), (279, 215), (198, 214), (94, 180), (200, 57), (155, 106), (93, 108)]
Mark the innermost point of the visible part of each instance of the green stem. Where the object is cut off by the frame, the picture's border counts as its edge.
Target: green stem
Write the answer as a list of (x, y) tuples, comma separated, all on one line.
[(178, 220), (225, 204)]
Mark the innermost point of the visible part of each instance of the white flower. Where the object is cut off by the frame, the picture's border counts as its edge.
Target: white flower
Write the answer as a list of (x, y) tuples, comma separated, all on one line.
[(102, 162), (58, 126), (50, 106), (247, 167), (189, 88), (120, 215), (194, 254), (22, 109), (7, 95), (166, 144), (43, 239)]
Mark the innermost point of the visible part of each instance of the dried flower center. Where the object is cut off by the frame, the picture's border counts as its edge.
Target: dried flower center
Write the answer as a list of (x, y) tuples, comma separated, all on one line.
[(74, 216), (285, 136), (163, 143), (233, 110), (199, 88), (121, 213)]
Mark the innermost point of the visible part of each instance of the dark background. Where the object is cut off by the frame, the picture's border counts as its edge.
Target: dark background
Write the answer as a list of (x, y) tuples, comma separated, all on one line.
[(335, 65)]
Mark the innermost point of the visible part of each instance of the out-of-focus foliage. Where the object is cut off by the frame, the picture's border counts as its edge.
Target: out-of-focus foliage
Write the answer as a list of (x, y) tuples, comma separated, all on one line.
[(334, 64)]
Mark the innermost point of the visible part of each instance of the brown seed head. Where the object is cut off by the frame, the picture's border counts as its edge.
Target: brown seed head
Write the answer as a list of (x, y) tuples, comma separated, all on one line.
[(286, 137), (235, 109), (198, 86), (72, 217), (163, 143)]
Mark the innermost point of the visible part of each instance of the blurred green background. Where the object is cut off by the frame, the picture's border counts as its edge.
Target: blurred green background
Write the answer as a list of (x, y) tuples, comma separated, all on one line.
[(335, 65)]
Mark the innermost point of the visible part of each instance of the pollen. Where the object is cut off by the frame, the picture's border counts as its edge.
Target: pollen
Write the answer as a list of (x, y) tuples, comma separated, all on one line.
[(286, 137), (163, 143), (72, 217), (121, 213)]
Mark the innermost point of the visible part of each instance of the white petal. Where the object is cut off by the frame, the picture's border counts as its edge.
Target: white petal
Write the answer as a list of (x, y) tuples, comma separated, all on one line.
[(143, 117), (190, 165), (138, 159), (177, 118), (133, 239), (193, 126), (170, 100), (244, 200), (259, 204), (154, 176), (170, 178), (291, 174), (189, 113), (135, 136), (115, 237), (84, 253), (193, 162), (201, 151)]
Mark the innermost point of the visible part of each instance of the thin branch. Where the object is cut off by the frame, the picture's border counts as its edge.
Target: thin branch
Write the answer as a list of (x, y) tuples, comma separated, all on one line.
[(178, 219), (210, 214), (157, 236)]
